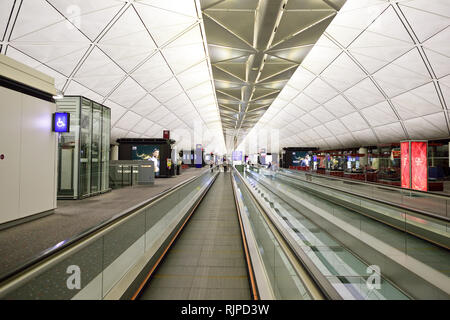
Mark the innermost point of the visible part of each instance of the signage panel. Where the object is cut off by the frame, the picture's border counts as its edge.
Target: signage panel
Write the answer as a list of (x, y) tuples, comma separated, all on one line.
[(166, 134), (237, 155), (61, 122), (198, 159), (419, 165)]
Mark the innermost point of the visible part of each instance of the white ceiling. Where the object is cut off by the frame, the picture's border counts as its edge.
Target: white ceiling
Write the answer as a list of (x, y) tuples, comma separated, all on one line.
[(256, 46), (145, 59), (379, 74)]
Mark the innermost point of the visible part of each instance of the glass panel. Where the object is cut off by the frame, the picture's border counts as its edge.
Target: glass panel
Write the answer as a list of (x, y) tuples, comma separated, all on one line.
[(85, 147), (68, 144), (106, 136), (95, 148)]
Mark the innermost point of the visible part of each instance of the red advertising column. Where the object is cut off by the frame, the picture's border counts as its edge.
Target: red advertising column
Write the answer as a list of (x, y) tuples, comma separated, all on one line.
[(419, 165), (405, 169)]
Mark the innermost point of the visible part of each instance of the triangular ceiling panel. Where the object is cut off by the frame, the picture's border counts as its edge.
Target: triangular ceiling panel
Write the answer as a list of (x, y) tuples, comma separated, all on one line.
[(153, 72), (245, 53), (128, 41), (163, 25), (64, 59), (5, 12), (219, 53), (182, 7), (301, 20), (220, 36), (308, 36), (99, 72), (27, 23), (90, 17), (236, 21), (239, 70), (191, 44)]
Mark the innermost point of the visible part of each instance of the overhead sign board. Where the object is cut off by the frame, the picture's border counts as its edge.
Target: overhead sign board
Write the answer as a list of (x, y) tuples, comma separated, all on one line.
[(419, 166)]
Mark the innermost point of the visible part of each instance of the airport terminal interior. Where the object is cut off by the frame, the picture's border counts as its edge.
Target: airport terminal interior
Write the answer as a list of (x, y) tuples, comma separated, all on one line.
[(224, 150)]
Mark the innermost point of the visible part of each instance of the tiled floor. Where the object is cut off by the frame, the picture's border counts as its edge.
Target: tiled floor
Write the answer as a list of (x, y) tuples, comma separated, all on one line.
[(207, 261), (22, 242)]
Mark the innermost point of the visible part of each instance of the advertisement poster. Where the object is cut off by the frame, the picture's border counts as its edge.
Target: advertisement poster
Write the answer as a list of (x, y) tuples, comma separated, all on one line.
[(146, 152), (404, 150), (419, 166)]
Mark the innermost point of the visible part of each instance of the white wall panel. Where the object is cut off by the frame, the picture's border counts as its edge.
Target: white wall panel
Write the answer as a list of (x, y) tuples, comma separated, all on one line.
[(28, 172), (10, 118), (38, 157)]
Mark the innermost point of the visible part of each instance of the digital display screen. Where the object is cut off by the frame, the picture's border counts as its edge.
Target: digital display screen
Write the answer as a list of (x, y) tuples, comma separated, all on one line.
[(405, 172), (147, 152), (61, 122), (298, 158)]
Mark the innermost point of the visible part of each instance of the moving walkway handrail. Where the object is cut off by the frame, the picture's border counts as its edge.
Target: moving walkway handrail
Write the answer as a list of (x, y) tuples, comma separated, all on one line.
[(396, 205), (147, 278), (91, 231), (253, 283)]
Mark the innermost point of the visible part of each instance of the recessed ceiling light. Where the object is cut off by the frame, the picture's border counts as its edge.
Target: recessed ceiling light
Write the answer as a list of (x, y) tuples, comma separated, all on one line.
[(58, 96)]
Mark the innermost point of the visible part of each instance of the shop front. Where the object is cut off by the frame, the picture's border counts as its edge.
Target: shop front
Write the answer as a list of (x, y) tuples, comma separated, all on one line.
[(382, 164)]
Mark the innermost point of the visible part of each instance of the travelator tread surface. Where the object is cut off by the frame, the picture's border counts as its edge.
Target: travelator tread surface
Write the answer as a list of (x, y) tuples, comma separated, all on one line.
[(207, 260)]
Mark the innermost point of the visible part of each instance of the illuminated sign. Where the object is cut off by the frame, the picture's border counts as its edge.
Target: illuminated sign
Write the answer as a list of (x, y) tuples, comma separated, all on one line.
[(414, 165), (419, 166), (61, 122), (198, 155), (237, 155), (405, 170)]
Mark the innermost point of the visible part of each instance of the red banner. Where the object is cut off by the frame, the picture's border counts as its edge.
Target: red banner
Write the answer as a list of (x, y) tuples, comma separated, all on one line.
[(404, 150), (419, 166)]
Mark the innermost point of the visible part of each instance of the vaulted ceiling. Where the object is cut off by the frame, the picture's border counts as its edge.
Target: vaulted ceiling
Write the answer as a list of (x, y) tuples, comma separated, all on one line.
[(380, 73), (145, 59), (255, 47), (322, 75)]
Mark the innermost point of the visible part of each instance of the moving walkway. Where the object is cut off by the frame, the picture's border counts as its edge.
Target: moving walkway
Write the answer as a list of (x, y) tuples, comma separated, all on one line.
[(239, 235), (351, 238)]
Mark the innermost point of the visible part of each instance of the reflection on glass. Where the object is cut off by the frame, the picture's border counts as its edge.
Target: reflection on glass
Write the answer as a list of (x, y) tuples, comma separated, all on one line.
[(84, 151), (106, 127), (95, 148), (85, 147)]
